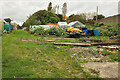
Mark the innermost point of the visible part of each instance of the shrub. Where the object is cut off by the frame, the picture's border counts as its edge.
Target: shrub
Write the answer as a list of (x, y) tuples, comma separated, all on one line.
[(56, 31), (99, 24), (109, 31), (41, 17), (89, 26), (51, 31), (38, 31), (90, 22)]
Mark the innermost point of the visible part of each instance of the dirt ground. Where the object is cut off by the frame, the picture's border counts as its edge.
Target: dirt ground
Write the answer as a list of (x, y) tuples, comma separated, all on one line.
[(88, 54), (106, 69), (101, 65)]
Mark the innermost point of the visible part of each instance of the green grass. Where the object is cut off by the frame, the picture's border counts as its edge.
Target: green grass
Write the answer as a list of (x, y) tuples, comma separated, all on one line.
[(94, 71), (103, 38), (112, 24), (37, 59), (89, 26), (41, 59), (113, 56)]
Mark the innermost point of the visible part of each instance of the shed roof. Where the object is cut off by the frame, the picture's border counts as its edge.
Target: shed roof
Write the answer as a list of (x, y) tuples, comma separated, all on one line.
[(62, 23), (76, 23)]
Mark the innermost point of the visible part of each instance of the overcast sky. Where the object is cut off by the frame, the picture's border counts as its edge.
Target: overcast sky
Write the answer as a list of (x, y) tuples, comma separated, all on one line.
[(18, 10)]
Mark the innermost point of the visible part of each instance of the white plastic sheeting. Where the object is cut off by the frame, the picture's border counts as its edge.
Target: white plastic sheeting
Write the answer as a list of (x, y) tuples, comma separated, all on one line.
[(76, 24), (62, 25)]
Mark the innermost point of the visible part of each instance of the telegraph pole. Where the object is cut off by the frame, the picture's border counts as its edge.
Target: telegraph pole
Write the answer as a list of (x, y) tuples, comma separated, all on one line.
[(96, 13), (58, 9)]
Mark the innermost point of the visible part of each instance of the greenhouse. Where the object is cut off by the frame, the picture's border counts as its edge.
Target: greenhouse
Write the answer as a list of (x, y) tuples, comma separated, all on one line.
[(76, 24)]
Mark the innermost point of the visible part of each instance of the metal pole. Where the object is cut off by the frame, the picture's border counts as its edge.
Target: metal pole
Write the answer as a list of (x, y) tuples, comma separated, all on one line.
[(96, 13)]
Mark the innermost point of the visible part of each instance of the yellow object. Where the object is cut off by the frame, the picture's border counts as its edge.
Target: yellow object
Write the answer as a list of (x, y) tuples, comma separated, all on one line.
[(66, 32), (73, 29)]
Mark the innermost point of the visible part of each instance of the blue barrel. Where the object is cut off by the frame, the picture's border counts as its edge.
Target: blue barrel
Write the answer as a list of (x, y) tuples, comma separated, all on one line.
[(96, 32), (10, 27), (85, 31)]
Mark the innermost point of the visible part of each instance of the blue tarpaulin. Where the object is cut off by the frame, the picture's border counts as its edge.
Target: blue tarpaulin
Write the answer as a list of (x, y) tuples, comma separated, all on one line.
[(7, 26)]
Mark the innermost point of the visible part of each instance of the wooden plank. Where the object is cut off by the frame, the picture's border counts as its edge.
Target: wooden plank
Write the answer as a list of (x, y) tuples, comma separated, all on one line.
[(84, 44), (72, 44), (109, 47), (104, 44), (50, 40)]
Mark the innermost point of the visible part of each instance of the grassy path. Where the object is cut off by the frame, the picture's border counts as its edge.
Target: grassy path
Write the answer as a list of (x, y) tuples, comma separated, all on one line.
[(42, 59)]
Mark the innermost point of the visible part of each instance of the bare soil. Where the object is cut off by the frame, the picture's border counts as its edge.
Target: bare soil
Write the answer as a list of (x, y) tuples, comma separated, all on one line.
[(106, 69), (34, 40)]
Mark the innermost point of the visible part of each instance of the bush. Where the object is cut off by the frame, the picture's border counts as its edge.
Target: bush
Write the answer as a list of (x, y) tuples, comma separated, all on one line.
[(90, 22), (38, 31), (99, 24), (56, 31), (51, 31), (41, 17), (109, 31), (89, 26)]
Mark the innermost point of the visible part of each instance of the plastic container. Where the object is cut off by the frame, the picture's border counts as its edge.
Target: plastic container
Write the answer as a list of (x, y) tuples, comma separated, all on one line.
[(7, 26), (96, 32), (85, 31), (10, 27)]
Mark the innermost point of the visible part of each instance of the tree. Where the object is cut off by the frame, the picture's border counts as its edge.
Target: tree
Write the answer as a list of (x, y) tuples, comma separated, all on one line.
[(61, 17), (78, 17), (32, 20), (90, 21), (50, 6), (53, 10), (100, 16), (41, 17), (64, 9)]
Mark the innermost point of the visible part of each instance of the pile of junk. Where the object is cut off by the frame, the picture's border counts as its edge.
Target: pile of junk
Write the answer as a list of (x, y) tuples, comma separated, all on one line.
[(73, 29), (77, 29), (7, 26)]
